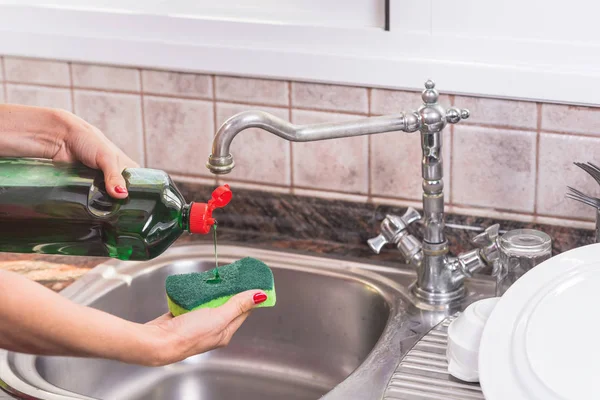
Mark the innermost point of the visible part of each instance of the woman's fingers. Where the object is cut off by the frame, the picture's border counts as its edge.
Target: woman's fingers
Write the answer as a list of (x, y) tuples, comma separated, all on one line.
[(113, 174), (113, 162), (239, 305), (165, 317), (231, 329), (90, 146)]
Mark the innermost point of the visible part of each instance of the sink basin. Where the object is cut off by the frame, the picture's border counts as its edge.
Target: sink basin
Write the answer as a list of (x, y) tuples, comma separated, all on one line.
[(338, 331)]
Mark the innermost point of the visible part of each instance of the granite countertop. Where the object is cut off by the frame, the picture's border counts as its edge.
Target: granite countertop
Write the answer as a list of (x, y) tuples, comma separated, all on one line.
[(54, 272)]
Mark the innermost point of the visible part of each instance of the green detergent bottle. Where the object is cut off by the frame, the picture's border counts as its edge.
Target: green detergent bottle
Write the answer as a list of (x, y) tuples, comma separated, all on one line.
[(53, 208)]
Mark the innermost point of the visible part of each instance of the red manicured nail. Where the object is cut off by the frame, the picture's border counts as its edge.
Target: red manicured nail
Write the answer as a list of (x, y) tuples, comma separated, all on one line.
[(259, 298), (120, 189)]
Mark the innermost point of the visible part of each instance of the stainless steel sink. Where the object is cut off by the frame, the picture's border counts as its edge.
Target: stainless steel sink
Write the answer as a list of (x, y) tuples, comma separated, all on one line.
[(338, 331)]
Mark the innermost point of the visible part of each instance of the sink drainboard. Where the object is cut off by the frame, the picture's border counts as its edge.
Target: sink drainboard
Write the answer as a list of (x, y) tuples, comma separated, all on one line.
[(423, 372)]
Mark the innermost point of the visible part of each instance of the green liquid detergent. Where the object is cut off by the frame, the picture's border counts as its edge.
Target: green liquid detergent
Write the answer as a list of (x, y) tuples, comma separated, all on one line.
[(62, 208), (216, 278)]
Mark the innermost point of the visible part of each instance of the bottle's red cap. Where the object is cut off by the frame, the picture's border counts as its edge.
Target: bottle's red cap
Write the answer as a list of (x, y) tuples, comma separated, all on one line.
[(201, 219)]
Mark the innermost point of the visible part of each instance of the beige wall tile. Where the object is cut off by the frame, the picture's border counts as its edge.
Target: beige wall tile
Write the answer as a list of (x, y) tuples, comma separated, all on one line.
[(330, 97), (329, 195), (178, 134), (571, 119), (259, 155), (194, 179), (26, 70), (529, 218), (397, 202), (235, 185), (104, 77), (511, 113), (118, 116), (253, 91), (396, 165), (384, 101), (494, 168), (578, 224), (39, 96), (338, 164), (557, 154), (177, 84)]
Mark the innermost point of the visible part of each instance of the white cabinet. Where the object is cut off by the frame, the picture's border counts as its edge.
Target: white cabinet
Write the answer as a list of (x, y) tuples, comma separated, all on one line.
[(341, 13), (557, 21), (528, 49)]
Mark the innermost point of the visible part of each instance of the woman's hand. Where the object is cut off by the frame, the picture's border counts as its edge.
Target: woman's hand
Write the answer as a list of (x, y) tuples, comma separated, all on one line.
[(61, 136), (85, 143), (35, 320), (178, 338)]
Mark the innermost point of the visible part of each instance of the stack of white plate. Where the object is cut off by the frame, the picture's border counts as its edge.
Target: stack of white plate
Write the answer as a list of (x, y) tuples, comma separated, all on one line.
[(541, 341)]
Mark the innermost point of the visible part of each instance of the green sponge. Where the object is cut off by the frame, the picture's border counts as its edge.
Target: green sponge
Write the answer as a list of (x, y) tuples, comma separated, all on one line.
[(187, 292)]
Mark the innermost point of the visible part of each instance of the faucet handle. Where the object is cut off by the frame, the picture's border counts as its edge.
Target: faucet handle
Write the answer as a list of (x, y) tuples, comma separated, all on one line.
[(487, 237), (391, 228), (487, 242), (377, 243), (411, 215), (454, 115)]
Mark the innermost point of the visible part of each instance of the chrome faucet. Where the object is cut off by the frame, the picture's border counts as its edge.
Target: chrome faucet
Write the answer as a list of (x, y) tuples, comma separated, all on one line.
[(440, 278)]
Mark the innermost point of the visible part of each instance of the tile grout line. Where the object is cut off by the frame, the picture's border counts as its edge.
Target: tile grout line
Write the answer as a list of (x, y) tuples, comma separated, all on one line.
[(71, 88), (451, 160), (313, 189), (537, 158), (104, 90), (299, 108), (522, 213), (213, 77), (4, 85), (45, 85), (332, 111), (292, 185), (499, 127), (580, 135), (214, 101), (144, 138), (369, 150)]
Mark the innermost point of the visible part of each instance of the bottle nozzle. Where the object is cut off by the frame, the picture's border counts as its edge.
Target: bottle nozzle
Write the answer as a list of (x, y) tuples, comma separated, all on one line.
[(201, 219)]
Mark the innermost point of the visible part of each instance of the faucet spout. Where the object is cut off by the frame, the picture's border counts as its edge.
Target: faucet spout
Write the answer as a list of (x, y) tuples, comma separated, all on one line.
[(221, 161)]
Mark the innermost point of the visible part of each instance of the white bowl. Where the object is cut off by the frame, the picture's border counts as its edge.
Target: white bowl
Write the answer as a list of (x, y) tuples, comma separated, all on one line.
[(464, 337)]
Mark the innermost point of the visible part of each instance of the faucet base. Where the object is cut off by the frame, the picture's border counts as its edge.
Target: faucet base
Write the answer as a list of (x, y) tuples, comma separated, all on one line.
[(437, 298)]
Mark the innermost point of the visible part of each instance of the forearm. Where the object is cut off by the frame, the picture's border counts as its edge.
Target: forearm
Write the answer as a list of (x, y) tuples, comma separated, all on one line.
[(31, 131), (33, 319)]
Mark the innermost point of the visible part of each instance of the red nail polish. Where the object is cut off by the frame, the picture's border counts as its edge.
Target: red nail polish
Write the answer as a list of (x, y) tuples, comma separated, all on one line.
[(120, 189), (259, 298)]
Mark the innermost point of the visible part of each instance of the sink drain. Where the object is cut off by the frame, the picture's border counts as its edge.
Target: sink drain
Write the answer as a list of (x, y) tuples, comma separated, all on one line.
[(423, 372)]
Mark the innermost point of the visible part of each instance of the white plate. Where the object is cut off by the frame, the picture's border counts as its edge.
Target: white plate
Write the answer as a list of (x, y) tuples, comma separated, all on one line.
[(542, 340)]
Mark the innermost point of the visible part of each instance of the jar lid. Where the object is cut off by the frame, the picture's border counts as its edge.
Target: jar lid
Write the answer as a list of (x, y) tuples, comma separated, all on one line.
[(526, 242)]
